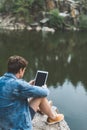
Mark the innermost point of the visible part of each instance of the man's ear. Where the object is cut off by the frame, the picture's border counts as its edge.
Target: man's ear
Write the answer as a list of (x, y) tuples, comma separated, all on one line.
[(20, 70)]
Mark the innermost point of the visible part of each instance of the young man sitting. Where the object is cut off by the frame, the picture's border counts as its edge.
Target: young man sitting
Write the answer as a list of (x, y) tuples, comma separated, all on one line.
[(16, 112)]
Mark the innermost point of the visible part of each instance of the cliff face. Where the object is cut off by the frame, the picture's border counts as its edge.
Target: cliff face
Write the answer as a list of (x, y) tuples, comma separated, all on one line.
[(39, 123), (61, 14)]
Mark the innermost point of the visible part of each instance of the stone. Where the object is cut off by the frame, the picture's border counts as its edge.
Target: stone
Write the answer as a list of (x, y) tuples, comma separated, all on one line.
[(44, 20), (35, 24), (50, 4), (38, 28), (47, 29), (39, 123)]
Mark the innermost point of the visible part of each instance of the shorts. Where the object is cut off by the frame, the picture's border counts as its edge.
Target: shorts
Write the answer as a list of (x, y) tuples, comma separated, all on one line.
[(32, 112)]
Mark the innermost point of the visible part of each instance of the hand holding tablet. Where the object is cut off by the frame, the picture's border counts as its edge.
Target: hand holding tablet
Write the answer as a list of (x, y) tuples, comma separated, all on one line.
[(41, 78)]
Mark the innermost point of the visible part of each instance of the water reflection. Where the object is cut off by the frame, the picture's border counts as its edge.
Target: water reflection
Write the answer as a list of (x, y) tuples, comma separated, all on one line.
[(72, 102), (63, 54)]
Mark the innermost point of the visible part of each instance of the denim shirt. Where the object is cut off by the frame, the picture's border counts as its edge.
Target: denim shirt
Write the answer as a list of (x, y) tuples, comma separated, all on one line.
[(14, 107)]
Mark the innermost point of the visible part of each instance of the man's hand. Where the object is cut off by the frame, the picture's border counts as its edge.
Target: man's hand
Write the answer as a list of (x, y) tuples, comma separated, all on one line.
[(32, 82), (44, 86)]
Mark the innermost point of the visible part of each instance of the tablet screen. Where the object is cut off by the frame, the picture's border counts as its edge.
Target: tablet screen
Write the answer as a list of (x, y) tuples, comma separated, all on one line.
[(41, 77)]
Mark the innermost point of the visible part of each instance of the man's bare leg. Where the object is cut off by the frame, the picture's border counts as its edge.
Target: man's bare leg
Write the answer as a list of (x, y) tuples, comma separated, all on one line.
[(44, 106)]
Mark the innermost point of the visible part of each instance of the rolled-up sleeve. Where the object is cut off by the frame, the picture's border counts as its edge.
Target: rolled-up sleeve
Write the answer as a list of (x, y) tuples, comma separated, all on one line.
[(26, 90)]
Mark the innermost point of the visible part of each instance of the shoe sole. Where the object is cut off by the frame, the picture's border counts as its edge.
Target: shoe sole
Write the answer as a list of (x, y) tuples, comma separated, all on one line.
[(55, 121)]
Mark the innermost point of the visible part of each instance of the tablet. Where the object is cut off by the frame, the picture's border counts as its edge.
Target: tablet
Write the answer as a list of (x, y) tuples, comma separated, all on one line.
[(41, 78)]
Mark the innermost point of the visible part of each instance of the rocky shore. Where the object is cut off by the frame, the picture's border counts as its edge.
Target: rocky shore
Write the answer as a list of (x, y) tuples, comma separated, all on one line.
[(8, 23), (39, 122), (70, 10)]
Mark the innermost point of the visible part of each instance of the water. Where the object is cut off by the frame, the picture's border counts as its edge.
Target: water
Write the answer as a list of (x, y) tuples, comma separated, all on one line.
[(72, 102), (64, 56)]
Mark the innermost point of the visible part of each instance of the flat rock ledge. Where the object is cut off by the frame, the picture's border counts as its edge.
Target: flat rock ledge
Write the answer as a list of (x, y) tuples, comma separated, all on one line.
[(39, 123)]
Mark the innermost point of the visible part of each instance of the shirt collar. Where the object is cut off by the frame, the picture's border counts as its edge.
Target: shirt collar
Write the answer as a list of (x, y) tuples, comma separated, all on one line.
[(11, 75)]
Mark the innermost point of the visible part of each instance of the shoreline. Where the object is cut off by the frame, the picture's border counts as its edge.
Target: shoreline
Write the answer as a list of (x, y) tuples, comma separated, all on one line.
[(8, 23)]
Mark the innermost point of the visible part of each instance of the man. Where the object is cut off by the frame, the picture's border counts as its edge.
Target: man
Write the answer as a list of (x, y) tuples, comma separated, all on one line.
[(16, 113)]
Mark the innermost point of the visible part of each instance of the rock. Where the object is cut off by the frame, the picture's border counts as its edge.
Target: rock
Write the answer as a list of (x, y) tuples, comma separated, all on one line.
[(38, 28), (71, 1), (35, 24), (29, 28), (39, 123), (50, 4), (6, 20), (19, 26), (44, 20), (47, 29), (64, 14)]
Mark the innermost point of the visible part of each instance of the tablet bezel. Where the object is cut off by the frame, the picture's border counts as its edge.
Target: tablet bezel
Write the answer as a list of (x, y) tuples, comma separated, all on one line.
[(40, 71)]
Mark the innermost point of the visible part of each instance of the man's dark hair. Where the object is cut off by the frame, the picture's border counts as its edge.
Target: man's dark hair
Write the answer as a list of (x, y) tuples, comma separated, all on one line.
[(15, 63)]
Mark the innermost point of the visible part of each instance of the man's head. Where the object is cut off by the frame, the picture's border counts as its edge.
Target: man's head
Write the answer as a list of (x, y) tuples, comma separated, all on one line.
[(16, 64)]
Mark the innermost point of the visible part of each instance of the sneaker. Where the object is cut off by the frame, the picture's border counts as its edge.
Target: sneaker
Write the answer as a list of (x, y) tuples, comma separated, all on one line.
[(57, 119)]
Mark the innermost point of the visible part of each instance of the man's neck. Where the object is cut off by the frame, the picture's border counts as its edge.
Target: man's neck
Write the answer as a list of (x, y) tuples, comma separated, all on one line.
[(17, 75)]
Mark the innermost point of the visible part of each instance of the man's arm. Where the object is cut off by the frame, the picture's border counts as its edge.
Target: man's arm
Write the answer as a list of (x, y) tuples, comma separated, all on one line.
[(26, 90)]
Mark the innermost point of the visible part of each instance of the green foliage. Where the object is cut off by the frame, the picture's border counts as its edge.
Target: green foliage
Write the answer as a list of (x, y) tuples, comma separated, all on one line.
[(21, 8), (13, 6), (55, 20), (22, 12), (6, 5), (83, 22), (39, 3)]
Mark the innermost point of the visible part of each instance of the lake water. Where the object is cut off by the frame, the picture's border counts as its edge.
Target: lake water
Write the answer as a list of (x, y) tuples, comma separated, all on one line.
[(64, 56)]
